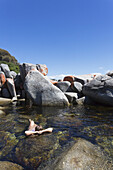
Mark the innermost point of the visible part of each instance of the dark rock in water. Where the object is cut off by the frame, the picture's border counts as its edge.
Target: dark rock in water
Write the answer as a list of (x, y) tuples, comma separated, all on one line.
[(7, 143), (32, 151), (83, 155), (11, 87), (64, 86), (5, 165), (18, 82), (6, 70), (5, 93), (100, 90), (42, 92)]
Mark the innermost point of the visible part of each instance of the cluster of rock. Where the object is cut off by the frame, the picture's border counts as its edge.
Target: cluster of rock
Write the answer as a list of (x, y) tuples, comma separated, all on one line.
[(7, 85), (33, 84)]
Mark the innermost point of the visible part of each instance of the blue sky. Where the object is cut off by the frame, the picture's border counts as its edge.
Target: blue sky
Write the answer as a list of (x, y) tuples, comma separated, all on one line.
[(69, 36)]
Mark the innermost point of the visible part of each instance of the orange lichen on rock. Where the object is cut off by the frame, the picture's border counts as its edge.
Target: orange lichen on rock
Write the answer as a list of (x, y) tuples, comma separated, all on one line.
[(42, 68), (69, 78), (2, 79)]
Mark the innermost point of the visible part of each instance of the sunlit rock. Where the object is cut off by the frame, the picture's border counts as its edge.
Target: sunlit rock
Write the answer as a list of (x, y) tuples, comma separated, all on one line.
[(42, 92), (6, 70), (71, 97), (83, 155), (100, 90), (64, 86)]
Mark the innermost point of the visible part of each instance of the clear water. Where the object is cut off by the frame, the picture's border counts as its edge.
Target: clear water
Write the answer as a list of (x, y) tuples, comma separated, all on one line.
[(95, 124)]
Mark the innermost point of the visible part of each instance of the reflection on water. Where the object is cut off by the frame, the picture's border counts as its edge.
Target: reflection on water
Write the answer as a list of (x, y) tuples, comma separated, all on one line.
[(92, 123)]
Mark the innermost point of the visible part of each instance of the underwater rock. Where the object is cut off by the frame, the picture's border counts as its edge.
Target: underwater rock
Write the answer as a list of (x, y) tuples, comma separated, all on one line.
[(5, 165), (33, 150), (83, 155), (2, 113), (103, 136), (7, 143)]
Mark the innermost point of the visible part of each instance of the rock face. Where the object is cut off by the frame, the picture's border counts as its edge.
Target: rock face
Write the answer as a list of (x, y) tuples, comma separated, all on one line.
[(6, 70), (64, 86), (42, 92), (83, 155), (100, 90)]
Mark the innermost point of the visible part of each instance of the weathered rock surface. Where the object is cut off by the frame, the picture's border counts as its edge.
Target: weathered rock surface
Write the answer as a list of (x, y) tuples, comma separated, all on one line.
[(100, 90), (77, 87), (7, 142), (42, 92), (64, 86), (11, 87), (6, 70), (6, 165), (42, 68), (25, 68), (84, 155), (13, 74)]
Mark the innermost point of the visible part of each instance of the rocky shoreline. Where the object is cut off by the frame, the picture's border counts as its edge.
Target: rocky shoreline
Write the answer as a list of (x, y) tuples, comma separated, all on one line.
[(36, 88)]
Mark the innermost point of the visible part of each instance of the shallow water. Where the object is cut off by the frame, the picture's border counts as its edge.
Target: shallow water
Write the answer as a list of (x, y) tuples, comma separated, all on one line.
[(92, 123)]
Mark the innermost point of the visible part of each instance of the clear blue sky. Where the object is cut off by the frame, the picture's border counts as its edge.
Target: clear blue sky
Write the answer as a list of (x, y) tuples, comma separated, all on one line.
[(69, 36)]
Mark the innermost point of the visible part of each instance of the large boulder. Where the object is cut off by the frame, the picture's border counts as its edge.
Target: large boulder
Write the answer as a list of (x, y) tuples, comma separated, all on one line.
[(100, 90), (42, 92), (6, 70), (11, 87), (25, 68)]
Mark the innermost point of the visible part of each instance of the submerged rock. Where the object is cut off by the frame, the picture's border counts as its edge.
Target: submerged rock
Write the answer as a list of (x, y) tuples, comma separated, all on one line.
[(7, 143), (32, 151), (42, 92), (83, 155), (5, 165)]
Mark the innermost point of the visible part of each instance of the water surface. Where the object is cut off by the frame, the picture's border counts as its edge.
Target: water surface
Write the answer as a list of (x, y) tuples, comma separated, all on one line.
[(94, 124)]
